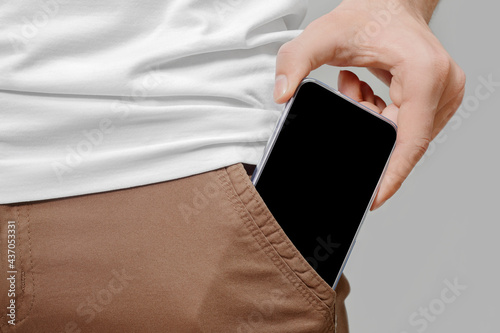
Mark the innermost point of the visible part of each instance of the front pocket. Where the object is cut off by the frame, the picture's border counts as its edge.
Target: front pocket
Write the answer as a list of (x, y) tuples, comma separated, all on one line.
[(16, 266), (276, 244)]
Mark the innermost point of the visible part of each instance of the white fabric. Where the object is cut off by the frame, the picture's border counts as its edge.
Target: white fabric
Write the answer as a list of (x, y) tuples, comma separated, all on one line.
[(110, 94)]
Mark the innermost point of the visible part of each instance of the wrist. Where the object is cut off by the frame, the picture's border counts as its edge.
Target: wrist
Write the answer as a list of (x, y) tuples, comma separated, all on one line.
[(424, 8), (421, 9)]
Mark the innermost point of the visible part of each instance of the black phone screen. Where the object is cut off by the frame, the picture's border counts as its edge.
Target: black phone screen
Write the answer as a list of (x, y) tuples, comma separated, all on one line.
[(322, 172)]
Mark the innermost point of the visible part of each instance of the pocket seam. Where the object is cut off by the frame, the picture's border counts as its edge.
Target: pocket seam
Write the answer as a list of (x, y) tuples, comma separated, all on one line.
[(287, 242), (264, 243), (277, 228), (24, 257), (30, 257)]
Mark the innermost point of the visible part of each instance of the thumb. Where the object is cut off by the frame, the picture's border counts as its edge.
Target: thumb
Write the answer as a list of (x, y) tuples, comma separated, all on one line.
[(298, 57), (328, 40)]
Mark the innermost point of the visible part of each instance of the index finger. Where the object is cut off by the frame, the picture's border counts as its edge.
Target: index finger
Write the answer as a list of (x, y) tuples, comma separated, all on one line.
[(418, 102)]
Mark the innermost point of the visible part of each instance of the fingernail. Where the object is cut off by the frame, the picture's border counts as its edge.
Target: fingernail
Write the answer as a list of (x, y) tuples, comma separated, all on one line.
[(377, 206), (280, 86)]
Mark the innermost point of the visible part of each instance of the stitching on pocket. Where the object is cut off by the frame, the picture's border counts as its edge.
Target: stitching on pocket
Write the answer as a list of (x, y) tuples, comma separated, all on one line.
[(271, 252), (284, 239), (29, 261), (23, 259)]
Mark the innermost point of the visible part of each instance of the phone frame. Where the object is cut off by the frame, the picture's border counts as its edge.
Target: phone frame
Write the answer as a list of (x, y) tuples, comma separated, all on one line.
[(272, 140)]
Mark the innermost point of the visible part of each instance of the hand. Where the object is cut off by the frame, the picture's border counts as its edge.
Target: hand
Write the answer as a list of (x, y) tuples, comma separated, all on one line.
[(394, 41), (350, 85)]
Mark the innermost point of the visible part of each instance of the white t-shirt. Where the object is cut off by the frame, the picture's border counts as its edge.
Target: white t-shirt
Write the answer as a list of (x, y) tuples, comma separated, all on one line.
[(110, 94)]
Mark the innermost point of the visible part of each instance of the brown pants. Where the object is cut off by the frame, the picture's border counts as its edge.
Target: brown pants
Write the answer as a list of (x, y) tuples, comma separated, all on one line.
[(198, 254)]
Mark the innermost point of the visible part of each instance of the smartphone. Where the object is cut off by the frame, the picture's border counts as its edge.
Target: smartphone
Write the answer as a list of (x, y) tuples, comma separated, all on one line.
[(321, 170)]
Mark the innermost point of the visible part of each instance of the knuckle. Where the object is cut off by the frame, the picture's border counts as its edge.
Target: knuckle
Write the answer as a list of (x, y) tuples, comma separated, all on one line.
[(460, 81), (416, 149), (292, 49), (436, 62), (420, 146), (395, 179), (450, 114), (441, 64), (289, 47), (294, 52)]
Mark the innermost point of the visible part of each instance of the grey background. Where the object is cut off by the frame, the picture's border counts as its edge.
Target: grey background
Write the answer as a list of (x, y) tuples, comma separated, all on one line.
[(443, 224)]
